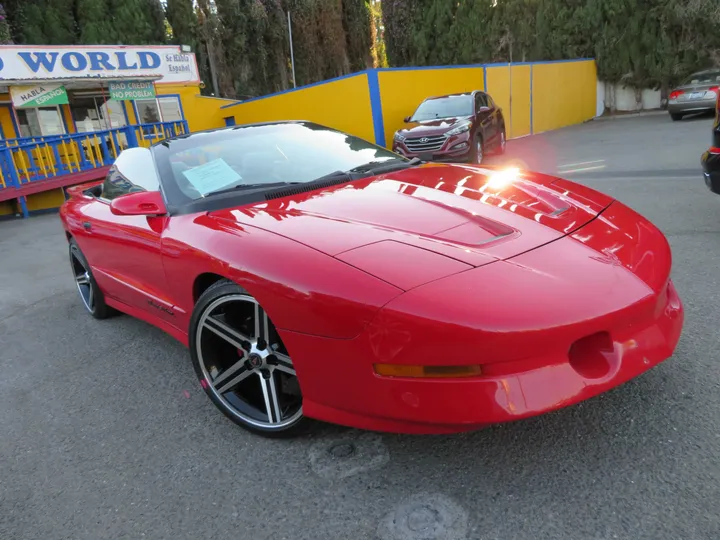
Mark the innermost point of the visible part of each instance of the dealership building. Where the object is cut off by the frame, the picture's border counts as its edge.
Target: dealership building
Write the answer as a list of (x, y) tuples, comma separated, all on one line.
[(67, 111)]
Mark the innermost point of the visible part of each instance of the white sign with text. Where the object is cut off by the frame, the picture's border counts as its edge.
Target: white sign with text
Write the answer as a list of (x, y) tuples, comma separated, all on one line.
[(29, 63)]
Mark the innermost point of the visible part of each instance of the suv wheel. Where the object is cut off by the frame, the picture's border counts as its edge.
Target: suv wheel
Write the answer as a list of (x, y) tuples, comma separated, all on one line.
[(478, 152)]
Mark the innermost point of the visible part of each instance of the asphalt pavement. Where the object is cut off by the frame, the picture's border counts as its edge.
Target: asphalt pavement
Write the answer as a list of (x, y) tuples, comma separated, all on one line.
[(105, 432)]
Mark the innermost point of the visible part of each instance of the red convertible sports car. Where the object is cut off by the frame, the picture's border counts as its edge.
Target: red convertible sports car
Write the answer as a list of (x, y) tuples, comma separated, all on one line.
[(315, 275)]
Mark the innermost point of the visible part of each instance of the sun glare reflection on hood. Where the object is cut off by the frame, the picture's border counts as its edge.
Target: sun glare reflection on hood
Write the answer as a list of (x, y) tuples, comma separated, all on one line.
[(501, 179)]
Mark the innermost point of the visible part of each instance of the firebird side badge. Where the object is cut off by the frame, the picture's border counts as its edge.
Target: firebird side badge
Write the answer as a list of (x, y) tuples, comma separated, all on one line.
[(161, 308)]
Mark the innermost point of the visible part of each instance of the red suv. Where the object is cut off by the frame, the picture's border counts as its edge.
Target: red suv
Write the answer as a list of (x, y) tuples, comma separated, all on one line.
[(457, 127)]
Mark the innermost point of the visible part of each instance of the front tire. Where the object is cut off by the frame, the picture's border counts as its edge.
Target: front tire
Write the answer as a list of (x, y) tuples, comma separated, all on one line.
[(502, 142), (478, 152), (242, 364), (90, 294)]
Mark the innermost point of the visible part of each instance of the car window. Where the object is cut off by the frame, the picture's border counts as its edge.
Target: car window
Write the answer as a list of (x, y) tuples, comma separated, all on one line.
[(116, 184), (480, 100), (252, 156), (707, 77), (444, 107)]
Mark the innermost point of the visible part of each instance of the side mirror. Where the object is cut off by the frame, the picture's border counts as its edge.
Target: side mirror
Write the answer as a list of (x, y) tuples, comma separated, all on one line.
[(406, 119), (484, 110), (142, 203)]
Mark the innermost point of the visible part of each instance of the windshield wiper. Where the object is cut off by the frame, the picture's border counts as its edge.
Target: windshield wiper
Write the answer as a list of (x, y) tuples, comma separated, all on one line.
[(380, 167), (243, 187)]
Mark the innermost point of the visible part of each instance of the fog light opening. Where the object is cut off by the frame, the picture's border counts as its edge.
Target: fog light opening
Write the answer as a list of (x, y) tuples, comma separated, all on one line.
[(593, 357)]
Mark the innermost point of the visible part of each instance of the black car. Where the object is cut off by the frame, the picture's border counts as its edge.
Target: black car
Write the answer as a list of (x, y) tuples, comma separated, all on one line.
[(711, 158)]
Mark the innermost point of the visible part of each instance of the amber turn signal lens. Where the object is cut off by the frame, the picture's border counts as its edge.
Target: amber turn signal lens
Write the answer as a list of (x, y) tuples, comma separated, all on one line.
[(446, 372)]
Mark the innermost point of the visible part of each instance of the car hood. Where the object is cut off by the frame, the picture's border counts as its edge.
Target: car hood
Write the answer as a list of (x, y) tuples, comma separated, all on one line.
[(431, 127), (452, 217)]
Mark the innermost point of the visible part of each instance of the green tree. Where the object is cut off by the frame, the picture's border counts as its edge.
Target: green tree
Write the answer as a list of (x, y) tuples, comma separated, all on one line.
[(94, 23), (399, 18), (183, 22), (138, 22), (5, 34), (356, 22)]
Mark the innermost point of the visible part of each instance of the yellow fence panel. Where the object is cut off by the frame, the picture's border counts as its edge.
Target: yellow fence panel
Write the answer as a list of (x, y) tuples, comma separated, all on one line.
[(564, 93), (521, 102), (342, 104), (402, 90)]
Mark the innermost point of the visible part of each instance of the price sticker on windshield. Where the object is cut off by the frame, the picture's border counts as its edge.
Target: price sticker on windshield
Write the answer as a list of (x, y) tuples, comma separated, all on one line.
[(211, 176)]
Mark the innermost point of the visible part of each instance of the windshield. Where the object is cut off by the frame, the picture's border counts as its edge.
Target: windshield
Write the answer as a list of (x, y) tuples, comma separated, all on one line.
[(707, 77), (254, 156), (444, 107)]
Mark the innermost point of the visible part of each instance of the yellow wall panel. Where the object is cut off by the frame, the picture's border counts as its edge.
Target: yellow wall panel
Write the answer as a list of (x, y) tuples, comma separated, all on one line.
[(564, 93), (521, 109), (6, 120), (130, 111), (45, 200), (498, 86), (342, 104), (67, 117), (401, 91), (7, 208), (205, 112)]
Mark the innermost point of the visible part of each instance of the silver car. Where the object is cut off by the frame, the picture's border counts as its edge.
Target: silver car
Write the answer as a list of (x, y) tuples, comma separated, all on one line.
[(697, 93)]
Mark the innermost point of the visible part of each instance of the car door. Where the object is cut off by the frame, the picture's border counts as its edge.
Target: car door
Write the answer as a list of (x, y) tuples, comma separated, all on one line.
[(124, 251), (497, 117), (485, 117)]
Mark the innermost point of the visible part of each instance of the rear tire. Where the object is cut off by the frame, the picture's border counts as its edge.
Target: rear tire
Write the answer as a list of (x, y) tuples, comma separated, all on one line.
[(676, 116), (90, 294), (243, 365)]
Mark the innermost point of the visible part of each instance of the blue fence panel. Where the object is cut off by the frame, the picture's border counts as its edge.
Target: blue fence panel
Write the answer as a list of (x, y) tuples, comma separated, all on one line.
[(30, 159)]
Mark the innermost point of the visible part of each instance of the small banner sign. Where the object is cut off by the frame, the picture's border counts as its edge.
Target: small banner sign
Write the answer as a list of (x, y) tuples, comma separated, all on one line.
[(129, 90), (38, 96)]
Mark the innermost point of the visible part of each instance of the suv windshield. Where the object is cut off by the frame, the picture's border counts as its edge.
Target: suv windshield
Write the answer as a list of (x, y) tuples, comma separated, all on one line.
[(259, 157), (444, 107), (707, 77)]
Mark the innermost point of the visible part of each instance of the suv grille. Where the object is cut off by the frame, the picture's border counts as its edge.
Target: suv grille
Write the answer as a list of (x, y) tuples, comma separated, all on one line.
[(425, 144)]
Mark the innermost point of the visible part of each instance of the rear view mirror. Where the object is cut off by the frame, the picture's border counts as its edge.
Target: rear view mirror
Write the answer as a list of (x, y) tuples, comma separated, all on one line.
[(142, 203)]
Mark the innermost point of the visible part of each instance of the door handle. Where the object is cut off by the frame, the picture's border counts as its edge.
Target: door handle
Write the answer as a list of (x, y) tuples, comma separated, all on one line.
[(87, 225)]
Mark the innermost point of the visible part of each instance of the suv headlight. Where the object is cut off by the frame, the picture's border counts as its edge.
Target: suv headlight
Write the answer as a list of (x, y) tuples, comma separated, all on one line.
[(462, 128), (398, 138)]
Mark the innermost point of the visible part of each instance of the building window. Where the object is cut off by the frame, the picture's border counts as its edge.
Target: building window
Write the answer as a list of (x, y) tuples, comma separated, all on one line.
[(95, 113), (40, 121), (147, 110)]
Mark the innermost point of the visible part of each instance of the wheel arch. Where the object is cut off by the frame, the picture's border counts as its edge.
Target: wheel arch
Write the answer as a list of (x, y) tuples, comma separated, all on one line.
[(203, 282)]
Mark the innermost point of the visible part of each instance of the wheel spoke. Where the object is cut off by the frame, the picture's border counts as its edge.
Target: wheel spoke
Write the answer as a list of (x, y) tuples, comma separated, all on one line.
[(82, 279), (242, 374), (237, 366), (270, 397), (284, 363), (261, 324), (90, 297), (227, 333)]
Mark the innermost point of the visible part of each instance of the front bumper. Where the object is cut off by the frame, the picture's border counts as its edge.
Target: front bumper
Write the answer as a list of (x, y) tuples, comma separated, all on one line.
[(345, 390), (711, 171)]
